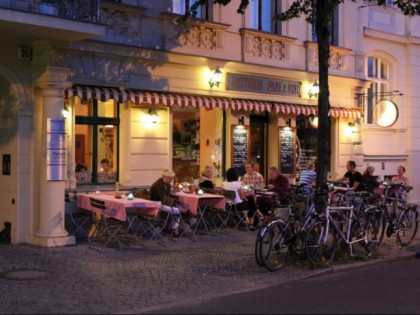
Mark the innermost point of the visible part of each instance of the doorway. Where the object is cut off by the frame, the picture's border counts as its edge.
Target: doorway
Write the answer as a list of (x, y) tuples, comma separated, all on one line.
[(258, 142)]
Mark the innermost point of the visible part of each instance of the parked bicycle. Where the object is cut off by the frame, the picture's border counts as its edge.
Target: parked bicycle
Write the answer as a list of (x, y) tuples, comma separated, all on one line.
[(347, 221), (399, 217), (277, 239)]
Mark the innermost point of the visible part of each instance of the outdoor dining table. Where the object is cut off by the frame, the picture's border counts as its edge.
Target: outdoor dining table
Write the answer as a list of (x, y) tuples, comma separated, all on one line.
[(117, 207), (199, 204), (196, 202)]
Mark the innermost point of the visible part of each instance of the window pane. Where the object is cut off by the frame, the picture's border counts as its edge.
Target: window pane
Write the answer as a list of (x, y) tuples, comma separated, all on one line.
[(253, 14), (384, 71), (107, 136), (266, 15), (83, 154), (84, 109), (372, 67), (107, 109), (178, 6)]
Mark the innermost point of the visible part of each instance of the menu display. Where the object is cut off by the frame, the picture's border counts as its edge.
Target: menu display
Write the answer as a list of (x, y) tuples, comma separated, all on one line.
[(287, 151), (239, 146)]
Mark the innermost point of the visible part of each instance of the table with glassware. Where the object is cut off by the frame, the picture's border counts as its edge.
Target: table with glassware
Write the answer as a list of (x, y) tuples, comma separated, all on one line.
[(199, 204), (117, 207)]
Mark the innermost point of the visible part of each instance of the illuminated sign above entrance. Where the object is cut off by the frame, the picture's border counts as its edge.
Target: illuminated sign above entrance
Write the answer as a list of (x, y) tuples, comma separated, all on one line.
[(246, 83), (385, 113)]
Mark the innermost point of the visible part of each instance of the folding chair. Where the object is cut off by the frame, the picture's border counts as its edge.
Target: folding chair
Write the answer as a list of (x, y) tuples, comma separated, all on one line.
[(173, 202), (149, 226), (79, 218), (233, 213), (108, 227)]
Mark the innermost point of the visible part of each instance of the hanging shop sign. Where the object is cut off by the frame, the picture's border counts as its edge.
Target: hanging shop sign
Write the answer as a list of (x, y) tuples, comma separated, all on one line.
[(247, 83), (56, 149), (385, 113)]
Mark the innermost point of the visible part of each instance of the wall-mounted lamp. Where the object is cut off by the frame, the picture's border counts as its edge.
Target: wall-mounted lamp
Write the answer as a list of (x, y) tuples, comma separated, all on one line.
[(65, 112), (313, 121), (352, 127), (241, 120), (288, 122), (314, 90), (215, 78), (154, 117)]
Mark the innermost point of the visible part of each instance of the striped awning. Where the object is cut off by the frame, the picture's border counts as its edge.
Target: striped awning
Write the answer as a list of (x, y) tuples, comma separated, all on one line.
[(85, 93), (166, 99), (307, 110)]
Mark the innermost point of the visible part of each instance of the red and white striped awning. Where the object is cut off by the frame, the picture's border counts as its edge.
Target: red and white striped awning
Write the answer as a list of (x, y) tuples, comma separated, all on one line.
[(307, 110), (166, 99), (104, 94)]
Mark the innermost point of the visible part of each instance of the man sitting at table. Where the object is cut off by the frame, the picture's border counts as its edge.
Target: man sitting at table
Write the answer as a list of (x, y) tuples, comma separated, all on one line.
[(159, 190), (277, 183), (253, 180)]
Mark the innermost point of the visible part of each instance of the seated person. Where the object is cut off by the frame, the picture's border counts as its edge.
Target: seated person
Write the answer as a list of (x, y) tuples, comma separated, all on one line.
[(159, 190), (232, 183), (82, 174), (308, 177), (206, 176), (106, 174), (277, 183)]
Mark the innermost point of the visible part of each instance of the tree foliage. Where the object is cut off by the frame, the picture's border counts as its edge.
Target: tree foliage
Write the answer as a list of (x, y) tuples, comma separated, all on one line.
[(318, 13)]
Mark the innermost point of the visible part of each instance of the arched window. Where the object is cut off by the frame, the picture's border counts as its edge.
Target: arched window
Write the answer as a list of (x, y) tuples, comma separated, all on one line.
[(377, 71)]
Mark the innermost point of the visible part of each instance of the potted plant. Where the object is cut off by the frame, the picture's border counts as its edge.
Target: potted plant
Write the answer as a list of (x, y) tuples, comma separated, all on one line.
[(48, 7)]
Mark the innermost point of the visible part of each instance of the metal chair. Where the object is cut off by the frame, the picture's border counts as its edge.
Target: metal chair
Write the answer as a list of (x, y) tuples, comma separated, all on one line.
[(233, 213), (149, 226), (173, 202), (79, 218), (107, 226)]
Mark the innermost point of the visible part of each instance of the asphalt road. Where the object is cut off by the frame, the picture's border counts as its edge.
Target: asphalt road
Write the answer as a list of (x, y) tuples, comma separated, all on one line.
[(387, 288)]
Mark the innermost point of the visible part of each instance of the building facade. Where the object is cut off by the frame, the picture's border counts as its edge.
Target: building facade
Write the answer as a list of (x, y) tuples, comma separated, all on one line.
[(142, 93)]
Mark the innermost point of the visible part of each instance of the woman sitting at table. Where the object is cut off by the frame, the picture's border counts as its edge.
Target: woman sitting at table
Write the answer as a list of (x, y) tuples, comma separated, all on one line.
[(232, 183), (206, 177), (159, 190)]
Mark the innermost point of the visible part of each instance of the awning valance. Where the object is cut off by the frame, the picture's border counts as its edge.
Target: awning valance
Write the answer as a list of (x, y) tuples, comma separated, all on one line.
[(307, 110), (209, 102), (167, 99)]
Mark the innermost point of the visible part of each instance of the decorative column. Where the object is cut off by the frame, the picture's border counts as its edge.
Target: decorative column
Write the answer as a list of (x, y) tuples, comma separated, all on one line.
[(52, 160)]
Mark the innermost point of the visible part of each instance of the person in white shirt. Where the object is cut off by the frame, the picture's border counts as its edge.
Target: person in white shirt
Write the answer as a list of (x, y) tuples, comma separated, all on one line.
[(232, 183)]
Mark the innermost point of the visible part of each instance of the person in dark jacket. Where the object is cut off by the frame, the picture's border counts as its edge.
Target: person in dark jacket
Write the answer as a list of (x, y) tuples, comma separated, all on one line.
[(159, 190)]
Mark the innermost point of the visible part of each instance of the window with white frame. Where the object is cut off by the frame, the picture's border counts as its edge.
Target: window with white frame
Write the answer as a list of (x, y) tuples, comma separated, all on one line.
[(262, 13), (181, 6), (377, 71)]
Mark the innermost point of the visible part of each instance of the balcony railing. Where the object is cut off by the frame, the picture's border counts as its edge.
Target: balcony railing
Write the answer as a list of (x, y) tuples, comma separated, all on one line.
[(80, 10)]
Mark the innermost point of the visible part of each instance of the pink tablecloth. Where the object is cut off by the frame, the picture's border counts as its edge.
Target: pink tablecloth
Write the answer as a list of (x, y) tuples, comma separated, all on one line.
[(116, 208), (193, 201)]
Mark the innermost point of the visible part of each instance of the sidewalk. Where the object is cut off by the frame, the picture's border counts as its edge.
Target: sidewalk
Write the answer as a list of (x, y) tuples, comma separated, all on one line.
[(137, 279)]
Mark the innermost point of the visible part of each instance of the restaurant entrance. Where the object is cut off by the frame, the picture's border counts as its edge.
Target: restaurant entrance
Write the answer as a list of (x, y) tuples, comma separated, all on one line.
[(258, 142)]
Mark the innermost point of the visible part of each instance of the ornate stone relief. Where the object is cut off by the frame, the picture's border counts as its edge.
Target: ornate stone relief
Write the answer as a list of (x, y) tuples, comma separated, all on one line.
[(200, 36), (337, 60), (266, 47)]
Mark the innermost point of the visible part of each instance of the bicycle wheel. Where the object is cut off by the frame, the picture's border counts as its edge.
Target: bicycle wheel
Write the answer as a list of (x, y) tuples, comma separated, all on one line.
[(258, 242), (320, 243), (274, 248), (366, 232), (406, 225)]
